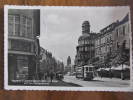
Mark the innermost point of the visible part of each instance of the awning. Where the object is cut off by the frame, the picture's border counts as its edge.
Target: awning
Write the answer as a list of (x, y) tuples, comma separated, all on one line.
[(120, 67)]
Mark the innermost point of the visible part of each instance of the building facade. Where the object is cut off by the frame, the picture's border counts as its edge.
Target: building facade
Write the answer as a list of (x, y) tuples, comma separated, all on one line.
[(48, 64), (121, 40), (122, 33), (23, 44), (109, 42), (108, 50), (104, 44), (86, 46)]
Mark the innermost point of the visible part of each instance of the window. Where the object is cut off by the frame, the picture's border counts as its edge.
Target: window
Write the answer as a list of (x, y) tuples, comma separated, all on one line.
[(23, 26), (85, 48), (90, 69), (110, 38), (32, 48), (107, 40), (14, 25), (10, 29), (123, 30), (86, 68), (10, 24), (26, 27), (117, 45), (29, 27), (117, 32), (124, 44), (128, 27), (110, 49), (106, 48), (17, 25), (9, 44)]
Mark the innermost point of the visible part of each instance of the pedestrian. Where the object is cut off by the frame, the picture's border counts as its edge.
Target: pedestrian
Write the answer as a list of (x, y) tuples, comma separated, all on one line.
[(51, 76), (111, 74), (45, 76)]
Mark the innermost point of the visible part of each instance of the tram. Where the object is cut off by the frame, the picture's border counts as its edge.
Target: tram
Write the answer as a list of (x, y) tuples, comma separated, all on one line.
[(79, 72), (88, 72)]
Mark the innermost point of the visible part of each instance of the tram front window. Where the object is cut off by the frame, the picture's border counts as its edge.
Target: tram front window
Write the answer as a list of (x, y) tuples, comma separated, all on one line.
[(90, 69)]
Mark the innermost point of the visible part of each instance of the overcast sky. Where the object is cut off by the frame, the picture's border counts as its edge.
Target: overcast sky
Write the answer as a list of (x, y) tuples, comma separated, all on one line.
[(61, 27)]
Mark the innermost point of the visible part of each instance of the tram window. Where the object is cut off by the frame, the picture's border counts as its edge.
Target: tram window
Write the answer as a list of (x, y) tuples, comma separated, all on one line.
[(90, 69), (86, 68)]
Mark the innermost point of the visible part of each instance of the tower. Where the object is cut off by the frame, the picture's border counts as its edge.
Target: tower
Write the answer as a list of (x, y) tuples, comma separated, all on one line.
[(68, 61), (86, 27)]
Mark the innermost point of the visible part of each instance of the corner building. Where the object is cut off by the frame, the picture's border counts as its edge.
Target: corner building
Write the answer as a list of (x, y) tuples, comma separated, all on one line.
[(86, 46), (23, 44)]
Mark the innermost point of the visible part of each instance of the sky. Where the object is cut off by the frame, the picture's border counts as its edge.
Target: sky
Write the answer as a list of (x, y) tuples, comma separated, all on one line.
[(62, 26)]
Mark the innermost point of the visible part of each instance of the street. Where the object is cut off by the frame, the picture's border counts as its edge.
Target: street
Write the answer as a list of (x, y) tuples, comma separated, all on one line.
[(100, 82), (48, 82)]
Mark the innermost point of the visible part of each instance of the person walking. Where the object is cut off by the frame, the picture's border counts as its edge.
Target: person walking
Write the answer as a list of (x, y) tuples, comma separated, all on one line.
[(46, 76), (51, 76)]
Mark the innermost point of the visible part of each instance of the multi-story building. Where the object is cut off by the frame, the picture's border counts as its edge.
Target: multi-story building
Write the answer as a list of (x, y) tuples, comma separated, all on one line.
[(104, 43), (45, 61), (48, 63), (109, 49), (111, 38), (23, 44), (122, 34), (86, 46), (121, 39)]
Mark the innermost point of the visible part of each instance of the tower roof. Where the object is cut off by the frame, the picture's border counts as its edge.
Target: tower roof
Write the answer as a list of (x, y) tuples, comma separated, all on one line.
[(86, 22)]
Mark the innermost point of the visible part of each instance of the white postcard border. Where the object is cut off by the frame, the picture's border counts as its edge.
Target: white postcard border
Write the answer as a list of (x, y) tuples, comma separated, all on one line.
[(57, 88)]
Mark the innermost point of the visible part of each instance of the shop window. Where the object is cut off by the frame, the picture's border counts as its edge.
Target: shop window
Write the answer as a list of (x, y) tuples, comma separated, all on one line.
[(22, 67)]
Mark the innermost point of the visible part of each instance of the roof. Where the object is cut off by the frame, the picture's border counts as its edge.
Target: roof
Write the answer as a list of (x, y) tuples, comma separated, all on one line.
[(109, 28), (112, 26), (124, 20)]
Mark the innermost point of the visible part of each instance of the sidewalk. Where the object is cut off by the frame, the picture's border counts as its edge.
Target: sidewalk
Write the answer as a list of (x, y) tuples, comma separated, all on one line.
[(111, 79), (98, 82)]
